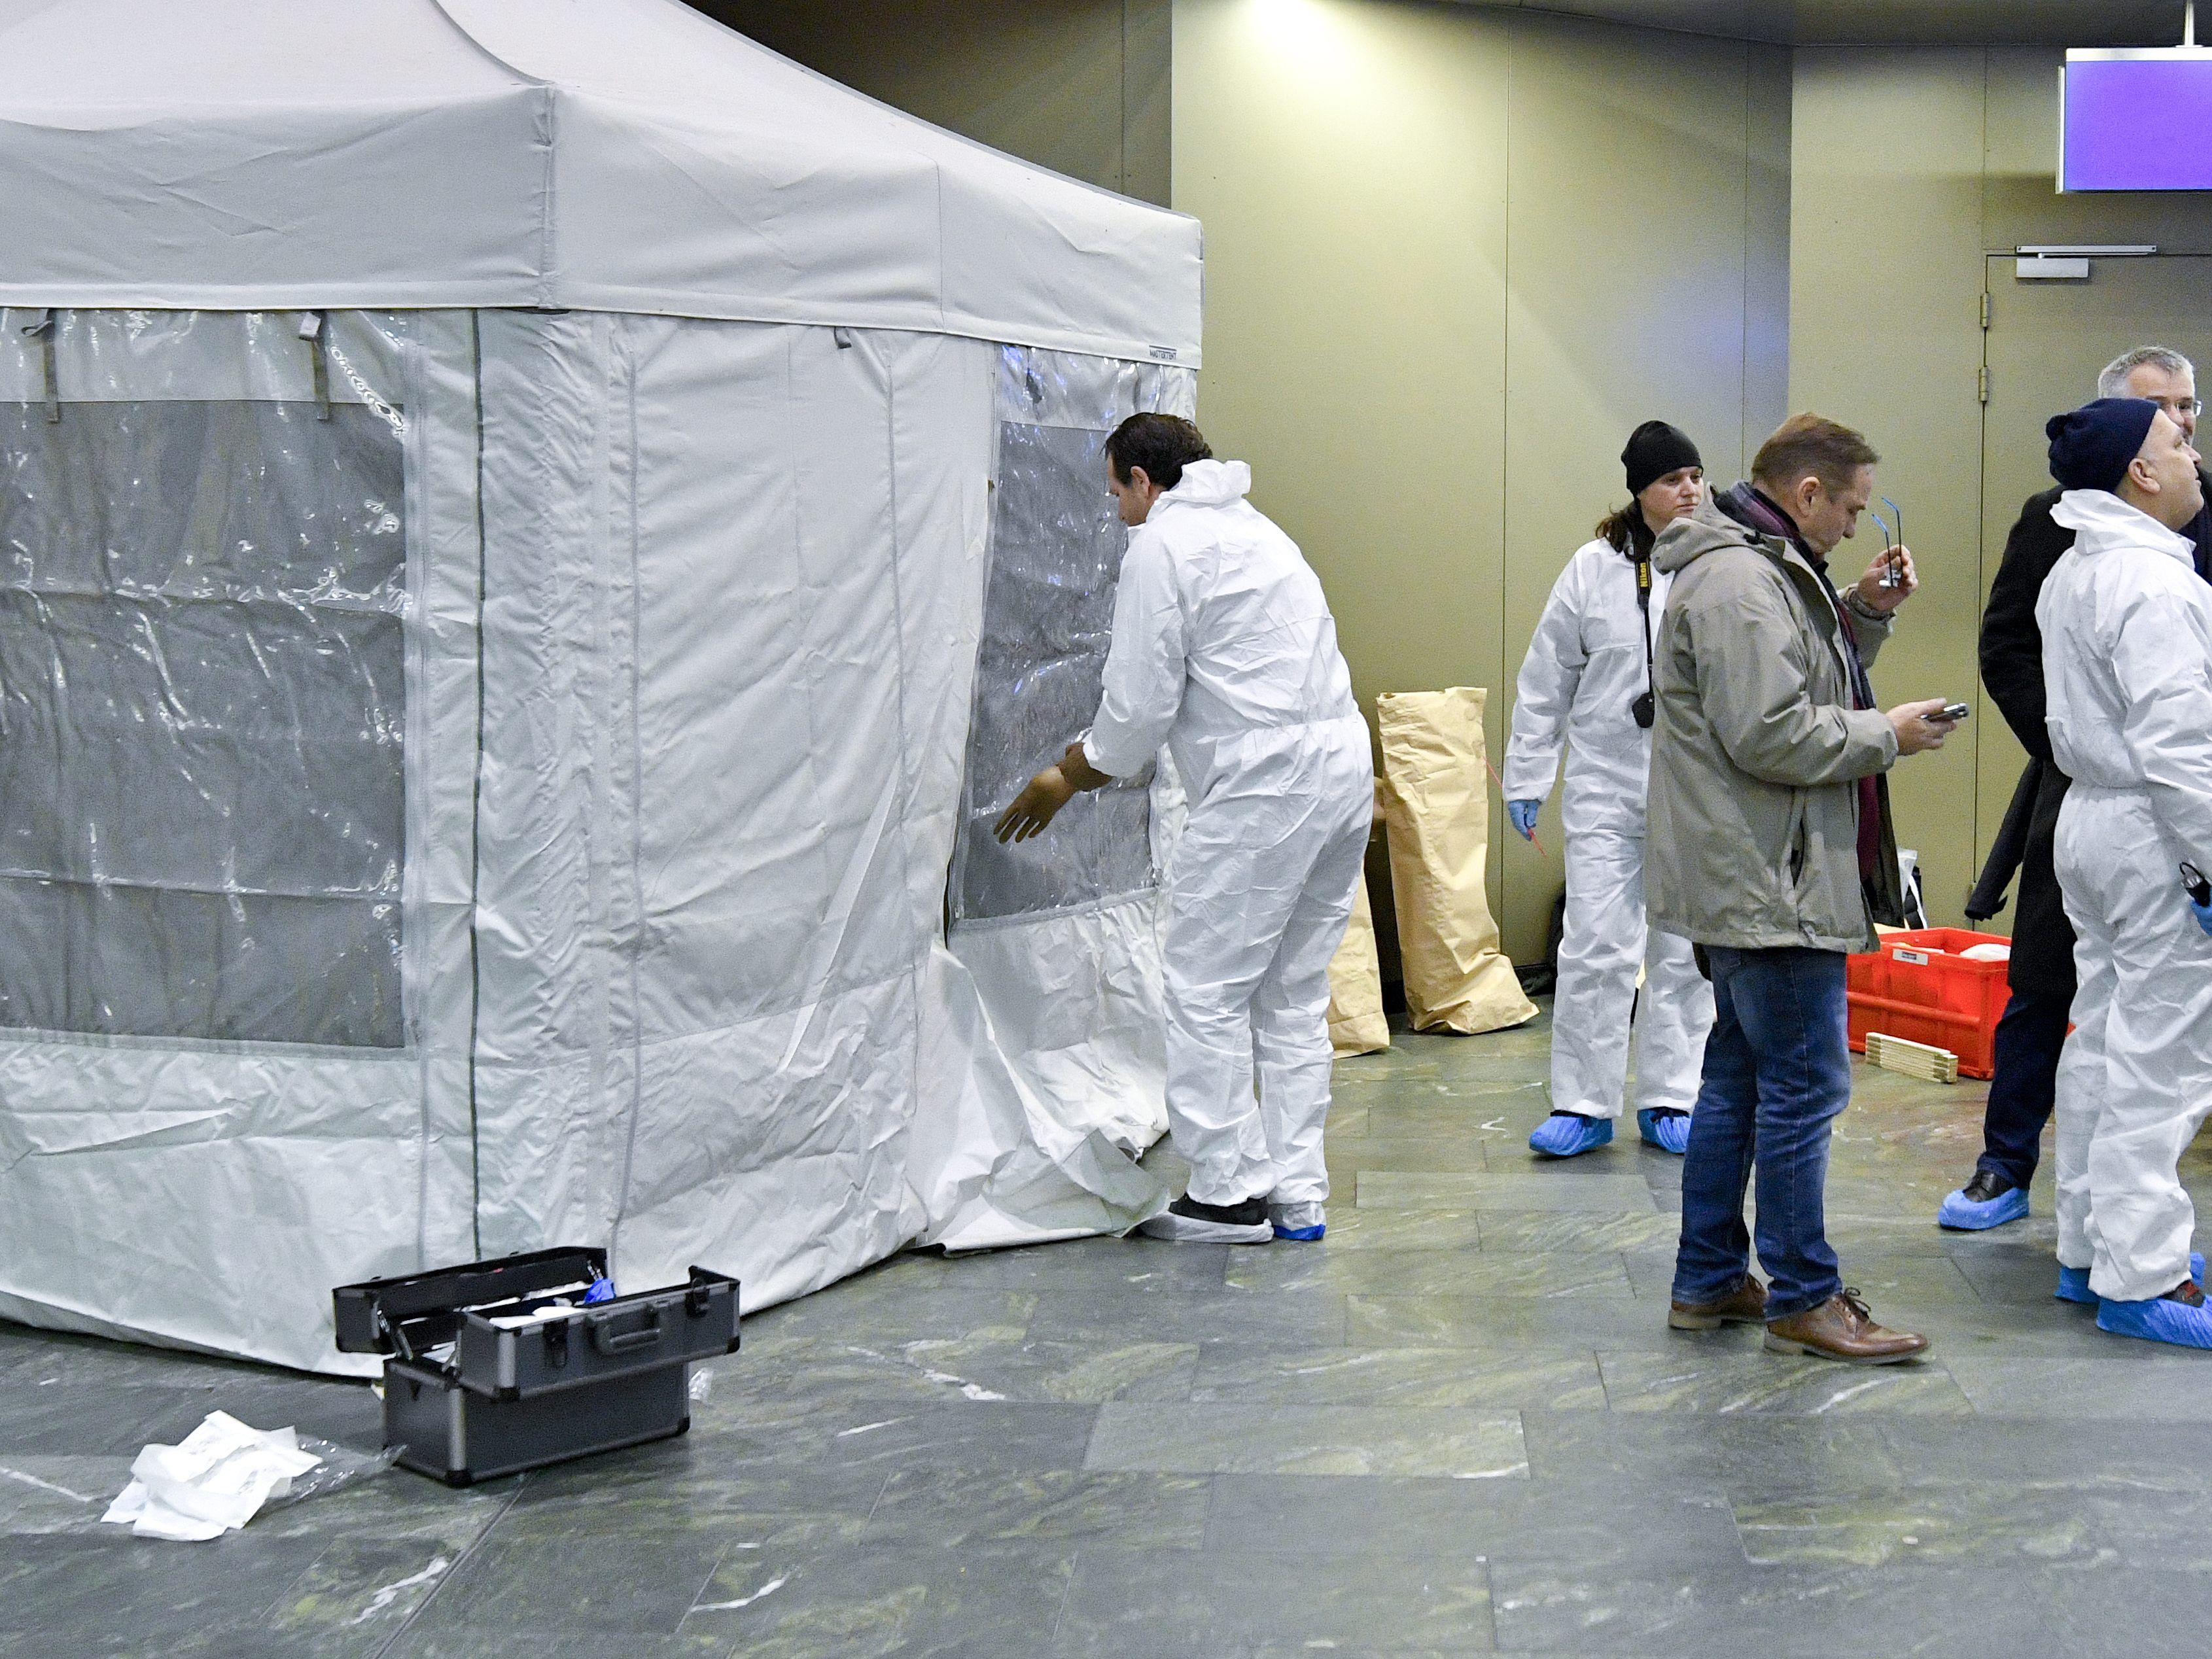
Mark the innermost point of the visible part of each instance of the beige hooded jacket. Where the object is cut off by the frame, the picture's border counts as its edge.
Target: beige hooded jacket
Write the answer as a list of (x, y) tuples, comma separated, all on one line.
[(1756, 751)]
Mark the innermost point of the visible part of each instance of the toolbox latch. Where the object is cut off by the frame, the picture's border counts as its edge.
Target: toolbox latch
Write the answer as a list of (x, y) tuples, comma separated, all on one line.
[(557, 1344)]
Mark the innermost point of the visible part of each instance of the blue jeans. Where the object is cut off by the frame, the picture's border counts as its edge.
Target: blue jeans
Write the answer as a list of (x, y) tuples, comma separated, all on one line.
[(1777, 1070), (2029, 1037)]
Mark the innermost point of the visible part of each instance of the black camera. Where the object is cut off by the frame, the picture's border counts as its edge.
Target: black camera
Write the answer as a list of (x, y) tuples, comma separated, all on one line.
[(1643, 710)]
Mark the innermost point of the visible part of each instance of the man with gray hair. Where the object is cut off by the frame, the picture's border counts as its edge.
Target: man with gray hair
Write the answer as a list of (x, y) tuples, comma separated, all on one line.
[(2042, 970)]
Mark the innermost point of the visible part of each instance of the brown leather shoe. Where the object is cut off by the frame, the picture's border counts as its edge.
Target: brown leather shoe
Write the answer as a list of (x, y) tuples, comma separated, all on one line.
[(1842, 1328), (1744, 1306)]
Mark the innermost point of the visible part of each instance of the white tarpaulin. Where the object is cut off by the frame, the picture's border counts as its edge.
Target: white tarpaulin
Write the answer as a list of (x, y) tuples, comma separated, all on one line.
[(480, 779)]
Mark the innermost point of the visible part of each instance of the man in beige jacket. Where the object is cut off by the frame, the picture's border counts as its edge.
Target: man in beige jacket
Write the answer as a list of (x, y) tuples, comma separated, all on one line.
[(1770, 848)]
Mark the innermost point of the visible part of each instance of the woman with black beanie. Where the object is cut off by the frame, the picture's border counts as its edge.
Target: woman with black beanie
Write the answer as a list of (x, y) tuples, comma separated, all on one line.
[(1587, 682)]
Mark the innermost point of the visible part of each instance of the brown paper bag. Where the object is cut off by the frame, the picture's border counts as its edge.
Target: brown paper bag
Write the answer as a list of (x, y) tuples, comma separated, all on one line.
[(1436, 802), (1357, 1024)]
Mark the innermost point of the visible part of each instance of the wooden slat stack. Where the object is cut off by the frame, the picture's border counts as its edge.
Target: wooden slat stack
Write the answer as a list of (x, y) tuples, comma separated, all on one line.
[(1920, 1059)]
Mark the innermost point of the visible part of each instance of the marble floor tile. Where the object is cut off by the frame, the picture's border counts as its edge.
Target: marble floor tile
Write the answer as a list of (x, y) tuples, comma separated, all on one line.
[(983, 1599), (1959, 1613), (1432, 1272), (951, 1510), (1465, 1379), (420, 1641), (616, 1584), (1959, 1523), (898, 1308), (1063, 1266), (1690, 1380), (69, 1494), (1506, 1322), (1270, 1439), (2134, 1387), (1575, 1234), (1698, 1454), (1351, 1227), (1277, 1318), (958, 1368), (113, 1590), (1134, 1601), (1594, 1523), (1536, 1189)]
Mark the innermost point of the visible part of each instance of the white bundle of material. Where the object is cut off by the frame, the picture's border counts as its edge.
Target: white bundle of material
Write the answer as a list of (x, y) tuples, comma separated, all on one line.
[(214, 1482)]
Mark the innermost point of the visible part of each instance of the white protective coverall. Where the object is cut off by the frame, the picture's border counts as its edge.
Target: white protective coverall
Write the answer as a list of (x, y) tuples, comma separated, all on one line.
[(1224, 648), (1585, 667), (2127, 670)]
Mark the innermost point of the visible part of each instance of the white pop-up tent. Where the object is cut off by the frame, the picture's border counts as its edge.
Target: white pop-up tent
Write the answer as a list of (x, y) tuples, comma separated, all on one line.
[(535, 535)]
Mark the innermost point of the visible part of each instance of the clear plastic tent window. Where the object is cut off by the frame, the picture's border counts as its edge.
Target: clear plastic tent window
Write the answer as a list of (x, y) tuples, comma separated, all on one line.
[(1056, 547), (202, 706)]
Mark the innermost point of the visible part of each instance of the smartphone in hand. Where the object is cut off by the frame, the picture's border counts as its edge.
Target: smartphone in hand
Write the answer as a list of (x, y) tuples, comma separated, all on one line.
[(1955, 712)]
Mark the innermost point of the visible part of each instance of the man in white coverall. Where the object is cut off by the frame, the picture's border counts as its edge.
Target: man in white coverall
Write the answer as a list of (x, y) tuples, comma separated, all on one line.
[(1224, 648), (2127, 667), (1587, 679)]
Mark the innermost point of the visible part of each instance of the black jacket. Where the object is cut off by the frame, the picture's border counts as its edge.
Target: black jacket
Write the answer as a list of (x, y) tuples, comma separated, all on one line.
[(2012, 669)]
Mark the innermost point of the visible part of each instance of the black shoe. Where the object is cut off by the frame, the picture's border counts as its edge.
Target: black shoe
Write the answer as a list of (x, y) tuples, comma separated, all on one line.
[(1187, 1221), (1986, 1185)]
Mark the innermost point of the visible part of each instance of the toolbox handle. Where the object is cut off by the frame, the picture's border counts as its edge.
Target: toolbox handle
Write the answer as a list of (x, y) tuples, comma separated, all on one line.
[(645, 1336)]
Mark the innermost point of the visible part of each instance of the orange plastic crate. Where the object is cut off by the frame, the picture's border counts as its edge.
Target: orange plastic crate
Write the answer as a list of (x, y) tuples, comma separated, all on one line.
[(1919, 988)]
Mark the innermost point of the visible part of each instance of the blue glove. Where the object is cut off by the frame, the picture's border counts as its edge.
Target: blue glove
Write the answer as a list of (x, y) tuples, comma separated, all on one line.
[(1523, 814), (2204, 915)]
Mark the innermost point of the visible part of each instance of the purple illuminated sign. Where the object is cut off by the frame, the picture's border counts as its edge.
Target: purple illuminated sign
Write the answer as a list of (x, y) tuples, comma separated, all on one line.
[(2136, 120)]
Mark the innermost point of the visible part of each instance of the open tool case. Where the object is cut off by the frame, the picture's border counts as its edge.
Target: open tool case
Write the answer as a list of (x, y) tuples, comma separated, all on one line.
[(485, 1375)]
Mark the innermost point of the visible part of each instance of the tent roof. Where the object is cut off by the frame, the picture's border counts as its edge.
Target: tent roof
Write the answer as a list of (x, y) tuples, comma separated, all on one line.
[(602, 155)]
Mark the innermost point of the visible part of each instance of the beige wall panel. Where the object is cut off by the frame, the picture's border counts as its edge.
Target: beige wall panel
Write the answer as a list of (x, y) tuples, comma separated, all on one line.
[(1078, 86), (1766, 245), (1627, 276), (1348, 160), (1885, 280)]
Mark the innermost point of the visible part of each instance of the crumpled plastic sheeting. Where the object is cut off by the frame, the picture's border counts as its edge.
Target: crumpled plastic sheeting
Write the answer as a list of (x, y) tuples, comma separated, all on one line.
[(1056, 548), (312, 588), (202, 710)]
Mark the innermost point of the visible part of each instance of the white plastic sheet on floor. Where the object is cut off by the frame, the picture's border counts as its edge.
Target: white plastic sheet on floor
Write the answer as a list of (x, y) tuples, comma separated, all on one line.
[(506, 670)]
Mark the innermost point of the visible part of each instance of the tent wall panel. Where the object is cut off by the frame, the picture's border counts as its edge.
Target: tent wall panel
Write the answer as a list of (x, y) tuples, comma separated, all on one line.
[(267, 667)]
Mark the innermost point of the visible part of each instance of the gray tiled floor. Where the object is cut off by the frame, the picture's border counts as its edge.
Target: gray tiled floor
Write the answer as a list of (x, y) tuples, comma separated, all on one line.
[(1458, 1426)]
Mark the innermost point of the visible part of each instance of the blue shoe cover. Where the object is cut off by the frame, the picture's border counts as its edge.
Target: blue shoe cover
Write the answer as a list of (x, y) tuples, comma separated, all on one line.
[(2158, 1321), (1668, 1131), (1302, 1223), (2074, 1282), (1302, 1235), (1565, 1134), (1961, 1214)]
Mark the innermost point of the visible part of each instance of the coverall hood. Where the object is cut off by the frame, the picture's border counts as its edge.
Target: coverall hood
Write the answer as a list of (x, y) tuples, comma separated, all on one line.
[(1208, 484), (2102, 521)]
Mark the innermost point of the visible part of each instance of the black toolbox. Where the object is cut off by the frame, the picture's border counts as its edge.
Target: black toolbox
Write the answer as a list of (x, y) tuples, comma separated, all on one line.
[(488, 1372)]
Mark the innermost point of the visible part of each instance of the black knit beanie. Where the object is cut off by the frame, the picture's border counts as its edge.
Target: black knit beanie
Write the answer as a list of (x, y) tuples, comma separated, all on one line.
[(1655, 449), (2092, 446)]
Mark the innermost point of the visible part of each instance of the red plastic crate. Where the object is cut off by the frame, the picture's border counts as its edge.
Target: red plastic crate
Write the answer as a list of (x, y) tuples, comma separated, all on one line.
[(1919, 988)]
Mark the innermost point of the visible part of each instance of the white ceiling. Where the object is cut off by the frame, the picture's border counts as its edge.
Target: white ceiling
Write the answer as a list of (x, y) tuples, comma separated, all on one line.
[(1838, 22)]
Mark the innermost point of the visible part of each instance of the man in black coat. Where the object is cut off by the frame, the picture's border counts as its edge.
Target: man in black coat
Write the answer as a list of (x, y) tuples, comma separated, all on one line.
[(2041, 976)]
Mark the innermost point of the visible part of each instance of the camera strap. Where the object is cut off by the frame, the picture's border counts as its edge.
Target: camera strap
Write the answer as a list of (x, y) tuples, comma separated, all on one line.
[(1643, 609)]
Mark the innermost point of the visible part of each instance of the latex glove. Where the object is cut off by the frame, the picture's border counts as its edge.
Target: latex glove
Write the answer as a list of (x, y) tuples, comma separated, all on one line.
[(2204, 915), (1523, 814), (1036, 806)]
